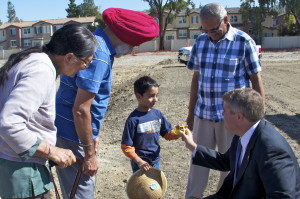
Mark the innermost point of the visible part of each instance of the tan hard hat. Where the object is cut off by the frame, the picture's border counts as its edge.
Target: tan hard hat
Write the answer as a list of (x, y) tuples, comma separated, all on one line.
[(151, 184)]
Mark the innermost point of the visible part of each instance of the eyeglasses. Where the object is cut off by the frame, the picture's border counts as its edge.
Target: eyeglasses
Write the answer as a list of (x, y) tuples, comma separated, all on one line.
[(212, 31), (85, 62)]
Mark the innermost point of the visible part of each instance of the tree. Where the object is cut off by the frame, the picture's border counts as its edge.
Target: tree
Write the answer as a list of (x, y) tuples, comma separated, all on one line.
[(252, 20), (253, 17), (73, 10), (288, 27), (291, 7), (18, 20), (11, 13), (88, 8), (169, 8)]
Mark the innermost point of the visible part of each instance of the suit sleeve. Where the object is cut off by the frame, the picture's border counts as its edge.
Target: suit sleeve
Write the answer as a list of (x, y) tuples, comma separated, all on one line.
[(212, 159)]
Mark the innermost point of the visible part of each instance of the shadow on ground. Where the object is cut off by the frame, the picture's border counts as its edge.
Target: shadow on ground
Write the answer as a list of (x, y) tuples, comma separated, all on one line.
[(290, 124)]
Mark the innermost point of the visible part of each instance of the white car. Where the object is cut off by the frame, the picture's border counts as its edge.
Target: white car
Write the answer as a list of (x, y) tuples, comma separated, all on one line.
[(185, 52), (259, 50)]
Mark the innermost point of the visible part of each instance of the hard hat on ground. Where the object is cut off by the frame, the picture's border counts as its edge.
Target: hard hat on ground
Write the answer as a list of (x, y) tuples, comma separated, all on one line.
[(151, 184)]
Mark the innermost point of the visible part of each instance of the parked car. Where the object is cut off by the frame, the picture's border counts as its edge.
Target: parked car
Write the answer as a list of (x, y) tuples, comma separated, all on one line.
[(185, 52), (259, 50)]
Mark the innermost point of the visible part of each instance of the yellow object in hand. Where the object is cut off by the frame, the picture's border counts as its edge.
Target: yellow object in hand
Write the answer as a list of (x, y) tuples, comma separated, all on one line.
[(179, 128)]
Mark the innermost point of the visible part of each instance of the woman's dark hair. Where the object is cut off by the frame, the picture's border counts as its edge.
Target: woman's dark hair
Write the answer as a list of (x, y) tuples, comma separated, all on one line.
[(142, 84), (72, 38)]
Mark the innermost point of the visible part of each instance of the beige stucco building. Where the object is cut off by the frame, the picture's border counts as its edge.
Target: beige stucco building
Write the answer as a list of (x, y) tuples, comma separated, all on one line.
[(34, 33), (187, 27)]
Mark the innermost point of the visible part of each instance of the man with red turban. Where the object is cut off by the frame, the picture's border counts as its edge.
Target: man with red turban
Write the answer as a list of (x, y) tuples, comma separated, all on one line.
[(82, 101)]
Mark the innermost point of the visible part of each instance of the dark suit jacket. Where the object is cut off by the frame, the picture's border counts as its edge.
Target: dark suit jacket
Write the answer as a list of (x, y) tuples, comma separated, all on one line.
[(269, 168)]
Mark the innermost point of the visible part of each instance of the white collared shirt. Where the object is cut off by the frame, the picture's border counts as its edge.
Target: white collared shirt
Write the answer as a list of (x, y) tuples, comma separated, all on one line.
[(244, 140)]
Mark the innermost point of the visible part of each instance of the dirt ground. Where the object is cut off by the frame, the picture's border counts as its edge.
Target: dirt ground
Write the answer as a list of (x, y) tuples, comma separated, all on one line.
[(281, 75)]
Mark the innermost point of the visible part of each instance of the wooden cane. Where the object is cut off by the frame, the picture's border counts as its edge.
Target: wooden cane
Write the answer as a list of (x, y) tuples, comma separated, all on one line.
[(77, 179)]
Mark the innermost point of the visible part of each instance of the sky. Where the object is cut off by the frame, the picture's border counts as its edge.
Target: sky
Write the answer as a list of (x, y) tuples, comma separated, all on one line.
[(33, 10)]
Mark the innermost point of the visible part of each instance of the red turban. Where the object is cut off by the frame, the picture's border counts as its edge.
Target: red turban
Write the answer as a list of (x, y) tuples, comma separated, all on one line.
[(131, 27)]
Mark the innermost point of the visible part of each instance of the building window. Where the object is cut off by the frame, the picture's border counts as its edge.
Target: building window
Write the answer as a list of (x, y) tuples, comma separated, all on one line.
[(233, 18), (26, 31), (57, 27), (13, 32), (46, 29), (182, 33), (194, 36), (169, 21), (37, 44), (268, 34), (169, 37), (38, 30), (275, 22), (13, 43), (3, 33), (181, 20), (27, 42), (194, 19)]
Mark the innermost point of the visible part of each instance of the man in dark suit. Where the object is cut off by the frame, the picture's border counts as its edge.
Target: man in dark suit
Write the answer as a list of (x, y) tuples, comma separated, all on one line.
[(260, 161)]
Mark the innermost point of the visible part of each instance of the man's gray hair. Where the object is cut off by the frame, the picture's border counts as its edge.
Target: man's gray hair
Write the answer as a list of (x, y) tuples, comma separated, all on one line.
[(213, 9), (246, 101)]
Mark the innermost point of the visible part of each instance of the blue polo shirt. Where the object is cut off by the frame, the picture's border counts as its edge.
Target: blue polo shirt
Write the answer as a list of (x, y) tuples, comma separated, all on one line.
[(97, 78)]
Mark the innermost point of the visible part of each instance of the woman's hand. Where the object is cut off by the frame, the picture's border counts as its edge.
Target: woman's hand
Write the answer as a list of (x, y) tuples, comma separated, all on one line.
[(62, 157)]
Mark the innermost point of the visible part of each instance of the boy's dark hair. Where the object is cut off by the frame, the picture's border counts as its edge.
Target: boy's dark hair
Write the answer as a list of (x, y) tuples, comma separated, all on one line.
[(142, 84)]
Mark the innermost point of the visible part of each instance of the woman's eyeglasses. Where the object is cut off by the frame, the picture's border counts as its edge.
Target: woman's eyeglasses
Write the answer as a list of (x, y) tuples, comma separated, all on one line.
[(85, 62)]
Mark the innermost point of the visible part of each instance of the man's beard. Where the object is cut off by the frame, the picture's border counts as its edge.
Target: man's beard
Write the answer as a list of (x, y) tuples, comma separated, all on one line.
[(123, 49)]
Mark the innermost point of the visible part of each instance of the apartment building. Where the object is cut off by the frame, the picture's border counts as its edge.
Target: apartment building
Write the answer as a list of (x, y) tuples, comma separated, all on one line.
[(187, 27), (34, 33)]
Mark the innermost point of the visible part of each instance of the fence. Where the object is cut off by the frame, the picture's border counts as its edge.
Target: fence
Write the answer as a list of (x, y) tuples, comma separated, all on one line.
[(281, 42), (4, 54), (268, 43), (174, 45)]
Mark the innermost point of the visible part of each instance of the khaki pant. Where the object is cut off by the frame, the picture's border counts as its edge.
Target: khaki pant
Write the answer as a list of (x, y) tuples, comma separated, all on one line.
[(212, 135)]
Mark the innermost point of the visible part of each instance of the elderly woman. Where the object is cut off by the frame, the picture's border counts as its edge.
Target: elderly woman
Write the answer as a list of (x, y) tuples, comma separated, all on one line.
[(27, 111)]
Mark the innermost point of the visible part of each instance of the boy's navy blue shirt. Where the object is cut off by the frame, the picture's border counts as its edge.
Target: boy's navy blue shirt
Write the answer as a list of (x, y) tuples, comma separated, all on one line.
[(142, 131)]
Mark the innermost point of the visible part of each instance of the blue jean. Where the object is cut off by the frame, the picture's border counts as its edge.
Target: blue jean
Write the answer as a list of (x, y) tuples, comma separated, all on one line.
[(155, 163)]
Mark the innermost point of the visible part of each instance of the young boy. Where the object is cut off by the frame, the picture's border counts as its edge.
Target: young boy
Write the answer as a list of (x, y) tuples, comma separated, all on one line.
[(140, 141)]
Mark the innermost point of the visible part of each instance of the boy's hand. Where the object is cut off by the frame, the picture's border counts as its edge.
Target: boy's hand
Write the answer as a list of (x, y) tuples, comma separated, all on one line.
[(187, 137), (143, 165)]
